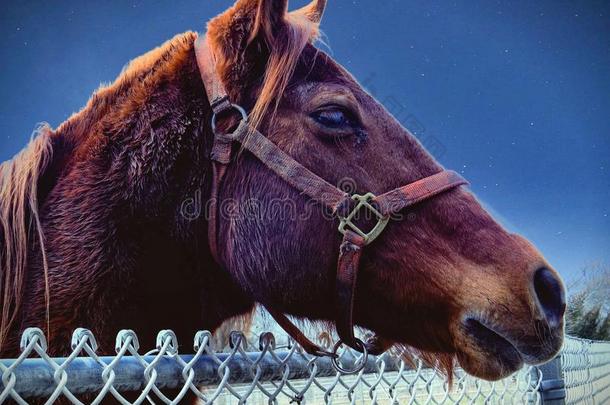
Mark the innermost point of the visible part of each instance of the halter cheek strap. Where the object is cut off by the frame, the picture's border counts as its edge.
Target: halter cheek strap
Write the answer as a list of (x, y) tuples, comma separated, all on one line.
[(345, 207)]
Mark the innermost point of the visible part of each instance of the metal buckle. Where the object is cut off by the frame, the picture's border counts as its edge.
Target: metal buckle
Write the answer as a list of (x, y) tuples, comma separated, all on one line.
[(363, 201)]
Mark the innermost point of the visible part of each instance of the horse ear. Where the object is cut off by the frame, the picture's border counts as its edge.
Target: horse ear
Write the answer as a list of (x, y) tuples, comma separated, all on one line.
[(244, 35), (253, 38), (247, 21), (270, 16), (313, 11)]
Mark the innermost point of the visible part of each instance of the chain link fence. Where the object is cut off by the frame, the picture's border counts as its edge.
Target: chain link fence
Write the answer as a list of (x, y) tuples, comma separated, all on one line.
[(586, 371), (273, 374)]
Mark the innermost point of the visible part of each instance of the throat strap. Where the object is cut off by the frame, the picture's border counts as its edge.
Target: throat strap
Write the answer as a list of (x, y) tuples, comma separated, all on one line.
[(304, 180)]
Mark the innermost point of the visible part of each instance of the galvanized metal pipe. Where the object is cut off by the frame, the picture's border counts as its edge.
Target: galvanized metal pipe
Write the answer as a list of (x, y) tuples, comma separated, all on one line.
[(35, 376)]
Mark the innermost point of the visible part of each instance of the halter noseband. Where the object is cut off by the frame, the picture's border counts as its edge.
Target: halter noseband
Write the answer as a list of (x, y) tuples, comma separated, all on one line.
[(345, 206)]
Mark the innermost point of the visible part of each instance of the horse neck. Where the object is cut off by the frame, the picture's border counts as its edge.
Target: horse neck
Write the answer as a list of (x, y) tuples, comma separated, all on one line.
[(146, 135), (113, 216)]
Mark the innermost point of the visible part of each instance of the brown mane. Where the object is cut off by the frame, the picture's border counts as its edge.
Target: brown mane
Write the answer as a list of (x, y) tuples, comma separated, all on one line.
[(130, 90), (20, 223), (19, 177)]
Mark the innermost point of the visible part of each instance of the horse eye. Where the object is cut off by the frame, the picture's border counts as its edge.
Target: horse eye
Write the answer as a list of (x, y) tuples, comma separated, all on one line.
[(333, 117)]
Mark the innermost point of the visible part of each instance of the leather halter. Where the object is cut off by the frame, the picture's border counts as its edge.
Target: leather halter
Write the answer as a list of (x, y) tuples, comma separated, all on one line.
[(344, 206)]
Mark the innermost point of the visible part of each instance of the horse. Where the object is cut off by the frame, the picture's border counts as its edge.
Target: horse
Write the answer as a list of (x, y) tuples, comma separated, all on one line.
[(106, 220)]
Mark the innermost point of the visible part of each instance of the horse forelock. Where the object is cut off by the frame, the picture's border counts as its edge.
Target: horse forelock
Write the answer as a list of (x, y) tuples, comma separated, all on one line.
[(20, 223), (285, 49)]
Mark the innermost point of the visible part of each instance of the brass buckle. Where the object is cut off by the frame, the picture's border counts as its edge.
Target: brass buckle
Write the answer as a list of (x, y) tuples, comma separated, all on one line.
[(363, 202)]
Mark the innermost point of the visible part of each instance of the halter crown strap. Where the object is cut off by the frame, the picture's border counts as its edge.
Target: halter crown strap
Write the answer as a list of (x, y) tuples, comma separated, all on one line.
[(302, 179), (215, 90)]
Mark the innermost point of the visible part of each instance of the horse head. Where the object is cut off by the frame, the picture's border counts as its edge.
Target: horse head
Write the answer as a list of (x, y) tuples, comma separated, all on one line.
[(444, 277)]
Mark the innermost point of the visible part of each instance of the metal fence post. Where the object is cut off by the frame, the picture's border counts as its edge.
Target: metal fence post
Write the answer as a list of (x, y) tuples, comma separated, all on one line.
[(552, 386)]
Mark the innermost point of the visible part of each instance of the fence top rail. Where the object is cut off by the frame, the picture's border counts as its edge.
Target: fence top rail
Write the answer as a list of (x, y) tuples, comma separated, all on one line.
[(85, 372), (207, 372)]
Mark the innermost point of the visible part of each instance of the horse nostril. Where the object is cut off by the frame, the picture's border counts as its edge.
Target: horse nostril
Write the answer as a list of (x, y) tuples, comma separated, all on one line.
[(550, 294)]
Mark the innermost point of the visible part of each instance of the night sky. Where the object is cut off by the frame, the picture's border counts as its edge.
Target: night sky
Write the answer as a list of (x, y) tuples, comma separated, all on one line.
[(513, 94)]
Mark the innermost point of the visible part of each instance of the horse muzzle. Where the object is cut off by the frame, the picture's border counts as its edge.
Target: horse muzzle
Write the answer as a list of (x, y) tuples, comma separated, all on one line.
[(496, 341)]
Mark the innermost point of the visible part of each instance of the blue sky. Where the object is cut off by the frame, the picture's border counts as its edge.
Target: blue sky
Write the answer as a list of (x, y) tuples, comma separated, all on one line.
[(513, 94)]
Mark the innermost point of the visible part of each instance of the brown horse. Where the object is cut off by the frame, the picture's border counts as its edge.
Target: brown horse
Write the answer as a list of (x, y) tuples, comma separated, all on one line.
[(101, 227)]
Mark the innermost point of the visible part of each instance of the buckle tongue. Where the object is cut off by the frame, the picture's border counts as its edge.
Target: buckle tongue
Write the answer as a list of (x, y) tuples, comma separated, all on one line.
[(364, 202)]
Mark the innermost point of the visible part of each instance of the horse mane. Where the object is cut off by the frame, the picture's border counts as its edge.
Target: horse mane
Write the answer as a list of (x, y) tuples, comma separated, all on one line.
[(299, 31), (20, 223)]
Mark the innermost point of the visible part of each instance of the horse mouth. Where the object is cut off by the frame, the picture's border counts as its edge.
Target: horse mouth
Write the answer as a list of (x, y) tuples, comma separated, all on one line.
[(488, 354)]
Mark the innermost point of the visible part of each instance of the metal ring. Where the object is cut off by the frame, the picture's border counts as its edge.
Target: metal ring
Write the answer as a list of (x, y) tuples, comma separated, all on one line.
[(359, 364), (238, 108)]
